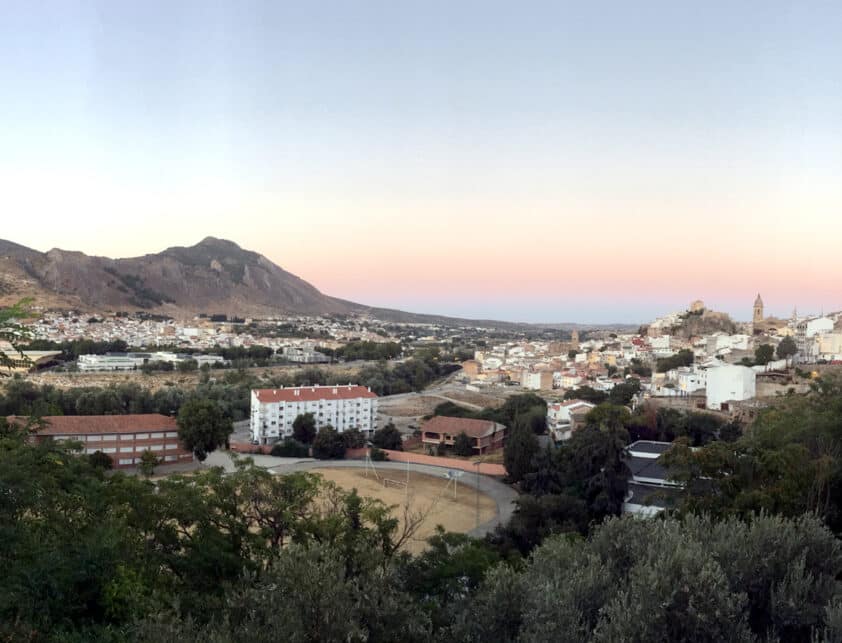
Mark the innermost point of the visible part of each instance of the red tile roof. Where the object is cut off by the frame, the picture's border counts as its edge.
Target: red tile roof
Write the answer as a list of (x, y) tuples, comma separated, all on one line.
[(312, 393), (93, 424), (454, 426)]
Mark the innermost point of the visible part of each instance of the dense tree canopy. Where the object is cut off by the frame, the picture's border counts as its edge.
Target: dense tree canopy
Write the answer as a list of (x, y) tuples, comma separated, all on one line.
[(203, 425), (388, 437), (304, 428)]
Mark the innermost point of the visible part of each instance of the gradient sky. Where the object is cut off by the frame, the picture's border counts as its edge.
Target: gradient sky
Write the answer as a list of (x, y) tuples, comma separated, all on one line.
[(536, 161)]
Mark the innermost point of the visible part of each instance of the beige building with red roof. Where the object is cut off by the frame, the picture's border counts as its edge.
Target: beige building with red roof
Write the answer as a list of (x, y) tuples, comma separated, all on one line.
[(123, 438), (344, 407), (485, 434)]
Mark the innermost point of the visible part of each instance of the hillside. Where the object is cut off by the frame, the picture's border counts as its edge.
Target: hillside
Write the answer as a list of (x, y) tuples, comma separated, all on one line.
[(213, 276)]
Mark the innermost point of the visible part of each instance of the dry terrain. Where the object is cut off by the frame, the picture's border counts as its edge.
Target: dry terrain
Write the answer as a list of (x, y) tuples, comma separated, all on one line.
[(159, 380), (428, 495)]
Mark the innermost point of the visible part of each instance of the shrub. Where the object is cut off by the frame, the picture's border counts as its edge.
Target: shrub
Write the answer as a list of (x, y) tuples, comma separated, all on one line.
[(328, 444), (290, 448), (378, 455)]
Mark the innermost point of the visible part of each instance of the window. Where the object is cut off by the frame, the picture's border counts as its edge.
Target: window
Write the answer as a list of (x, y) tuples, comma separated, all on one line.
[(156, 435), (171, 458), (94, 438), (89, 451), (156, 447), (172, 434), (126, 461), (110, 450), (127, 436), (142, 436), (109, 437), (171, 446), (126, 449)]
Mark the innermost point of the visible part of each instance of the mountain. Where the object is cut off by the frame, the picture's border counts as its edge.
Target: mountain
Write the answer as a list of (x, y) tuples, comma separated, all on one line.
[(214, 276)]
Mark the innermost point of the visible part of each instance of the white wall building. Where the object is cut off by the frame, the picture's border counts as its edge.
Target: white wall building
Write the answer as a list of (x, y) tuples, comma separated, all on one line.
[(729, 382), (818, 326), (343, 407)]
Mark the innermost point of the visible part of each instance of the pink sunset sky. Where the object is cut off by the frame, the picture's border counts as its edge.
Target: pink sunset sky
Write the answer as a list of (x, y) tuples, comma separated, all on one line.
[(561, 163)]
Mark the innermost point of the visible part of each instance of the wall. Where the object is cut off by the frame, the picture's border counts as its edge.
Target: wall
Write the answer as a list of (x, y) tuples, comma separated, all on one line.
[(446, 463)]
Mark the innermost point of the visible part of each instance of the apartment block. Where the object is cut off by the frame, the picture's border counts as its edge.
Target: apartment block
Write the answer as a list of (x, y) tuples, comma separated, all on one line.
[(345, 407)]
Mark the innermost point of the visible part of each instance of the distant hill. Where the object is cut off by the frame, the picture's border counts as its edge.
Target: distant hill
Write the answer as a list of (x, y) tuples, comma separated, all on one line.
[(705, 322), (214, 276)]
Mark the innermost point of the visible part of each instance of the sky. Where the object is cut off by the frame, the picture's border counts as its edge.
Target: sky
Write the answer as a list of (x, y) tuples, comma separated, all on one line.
[(530, 161)]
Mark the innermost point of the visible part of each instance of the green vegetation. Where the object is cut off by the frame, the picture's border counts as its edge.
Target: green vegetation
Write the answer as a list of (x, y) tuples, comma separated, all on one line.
[(787, 348), (684, 357), (203, 425), (413, 374), (463, 445), (388, 437), (526, 409), (304, 428), (764, 354), (788, 463), (328, 444), (290, 448), (586, 394), (369, 351), (148, 462), (252, 556)]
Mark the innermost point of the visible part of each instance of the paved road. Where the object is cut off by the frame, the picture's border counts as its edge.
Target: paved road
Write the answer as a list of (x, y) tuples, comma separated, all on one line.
[(503, 495)]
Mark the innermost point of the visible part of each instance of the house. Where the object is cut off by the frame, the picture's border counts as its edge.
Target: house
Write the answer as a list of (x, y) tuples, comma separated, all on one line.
[(650, 490), (485, 434), (123, 438), (537, 381), (344, 407), (729, 383), (565, 417)]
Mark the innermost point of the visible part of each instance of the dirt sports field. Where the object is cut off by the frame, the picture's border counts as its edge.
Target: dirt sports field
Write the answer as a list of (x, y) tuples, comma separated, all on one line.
[(427, 495)]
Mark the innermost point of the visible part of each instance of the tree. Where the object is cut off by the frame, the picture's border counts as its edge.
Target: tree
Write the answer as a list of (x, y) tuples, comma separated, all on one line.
[(463, 445), (624, 392), (203, 425), (684, 357), (328, 444), (304, 428), (100, 460), (586, 394), (354, 438), (787, 348), (521, 446), (148, 462), (388, 437), (764, 354)]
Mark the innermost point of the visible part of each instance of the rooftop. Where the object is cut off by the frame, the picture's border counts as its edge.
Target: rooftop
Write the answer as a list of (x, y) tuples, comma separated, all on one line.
[(454, 426), (312, 393), (650, 447), (93, 424)]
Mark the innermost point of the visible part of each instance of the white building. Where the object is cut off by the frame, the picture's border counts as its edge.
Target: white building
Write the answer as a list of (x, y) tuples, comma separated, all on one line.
[(689, 379), (560, 417), (729, 383), (343, 407), (818, 326)]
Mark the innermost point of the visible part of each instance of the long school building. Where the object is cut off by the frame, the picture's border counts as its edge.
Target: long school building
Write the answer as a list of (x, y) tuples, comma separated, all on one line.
[(123, 438), (343, 407)]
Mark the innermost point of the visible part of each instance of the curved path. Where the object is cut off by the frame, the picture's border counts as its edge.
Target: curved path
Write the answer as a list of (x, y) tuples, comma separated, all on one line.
[(503, 495)]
